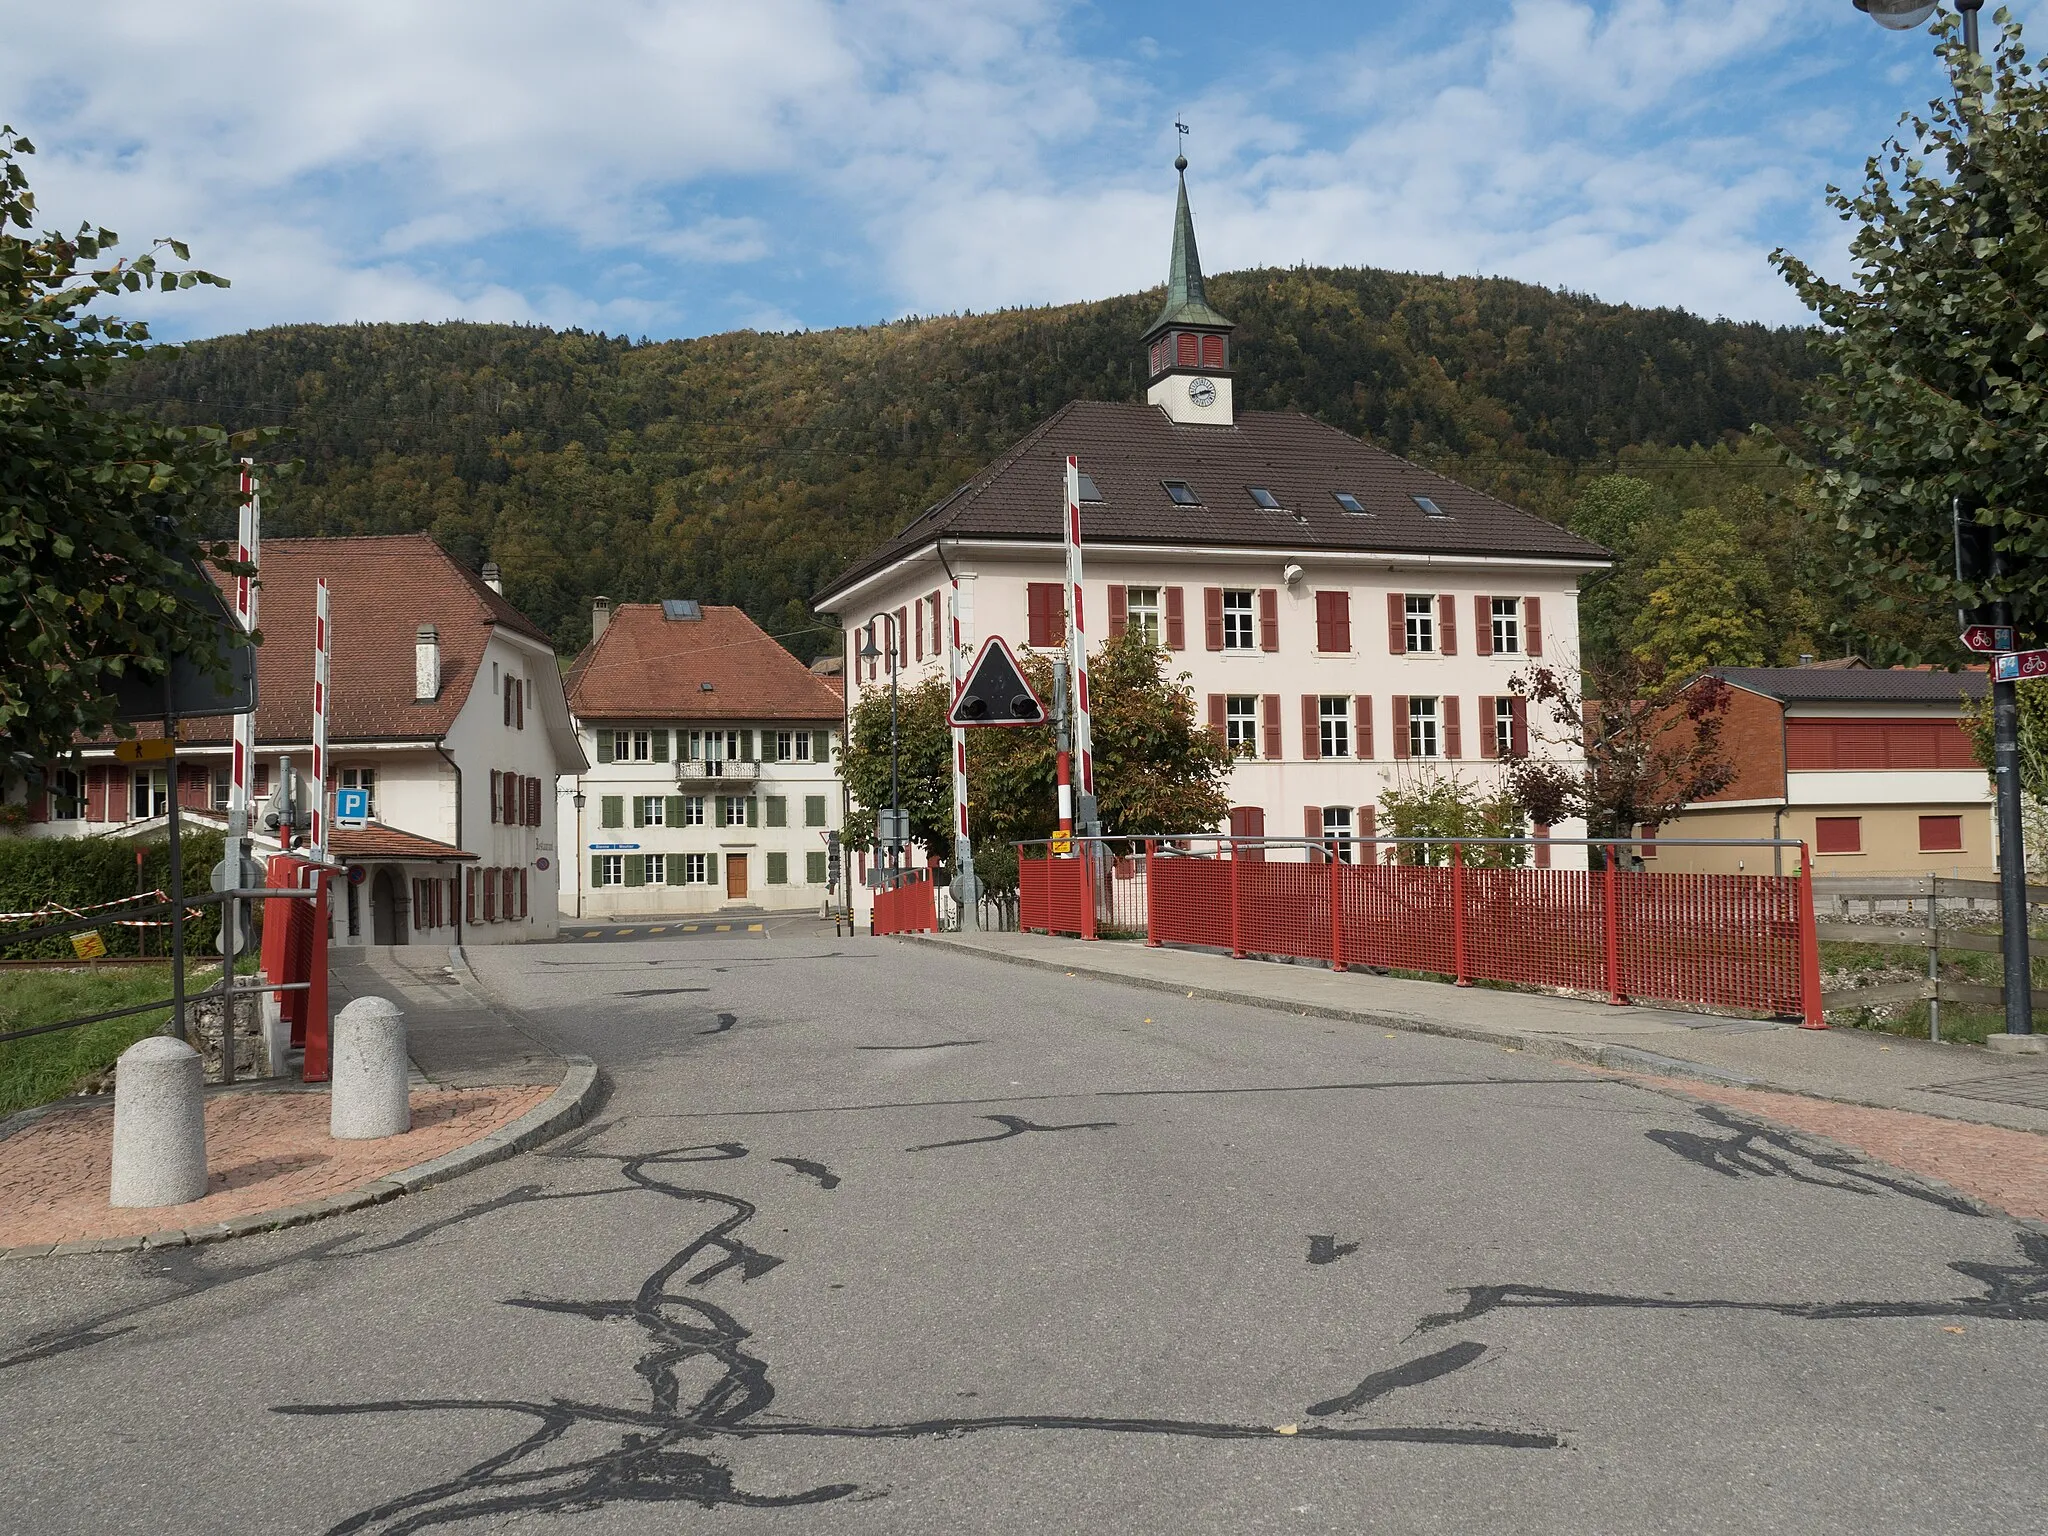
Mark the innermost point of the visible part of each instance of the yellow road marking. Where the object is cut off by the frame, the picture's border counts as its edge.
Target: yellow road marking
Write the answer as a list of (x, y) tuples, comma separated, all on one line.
[(689, 927), (622, 930), (753, 927), (723, 928), (657, 930), (594, 934)]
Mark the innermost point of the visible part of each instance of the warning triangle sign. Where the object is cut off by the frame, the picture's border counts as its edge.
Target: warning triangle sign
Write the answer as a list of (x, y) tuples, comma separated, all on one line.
[(995, 692)]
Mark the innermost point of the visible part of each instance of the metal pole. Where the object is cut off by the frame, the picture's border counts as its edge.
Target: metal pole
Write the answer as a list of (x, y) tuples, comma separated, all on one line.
[(895, 801), (1063, 753), (177, 853), (2012, 860), (966, 883)]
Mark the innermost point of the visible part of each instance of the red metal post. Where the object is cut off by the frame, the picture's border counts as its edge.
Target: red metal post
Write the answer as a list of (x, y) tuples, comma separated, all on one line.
[(1812, 1016), (1084, 877), (1151, 869), (315, 1070), (1336, 911), (1458, 912), (1236, 927), (1611, 925)]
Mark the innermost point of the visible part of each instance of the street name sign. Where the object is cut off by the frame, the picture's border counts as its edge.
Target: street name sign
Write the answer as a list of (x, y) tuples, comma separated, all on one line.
[(1987, 639), (2020, 666), (995, 692)]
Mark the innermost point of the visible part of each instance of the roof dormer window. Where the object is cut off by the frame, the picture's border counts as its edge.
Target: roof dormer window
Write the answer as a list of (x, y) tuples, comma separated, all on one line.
[(1181, 493), (1349, 502), (1088, 489), (1429, 508), (1264, 498)]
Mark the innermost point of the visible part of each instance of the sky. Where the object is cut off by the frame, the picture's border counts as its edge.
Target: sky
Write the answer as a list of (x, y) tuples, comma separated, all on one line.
[(674, 168)]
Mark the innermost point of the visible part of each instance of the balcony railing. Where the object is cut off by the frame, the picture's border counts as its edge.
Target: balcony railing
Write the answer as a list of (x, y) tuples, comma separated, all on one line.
[(705, 771)]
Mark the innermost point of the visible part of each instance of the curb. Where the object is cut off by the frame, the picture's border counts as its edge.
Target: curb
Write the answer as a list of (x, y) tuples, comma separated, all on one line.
[(571, 1101)]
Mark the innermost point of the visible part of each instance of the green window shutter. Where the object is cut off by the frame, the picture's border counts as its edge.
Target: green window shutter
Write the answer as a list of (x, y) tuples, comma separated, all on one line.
[(661, 745), (778, 811), (639, 811), (636, 869), (596, 870), (778, 869), (821, 746), (674, 808), (753, 812), (814, 812), (676, 865), (814, 869), (746, 746), (612, 811), (604, 746)]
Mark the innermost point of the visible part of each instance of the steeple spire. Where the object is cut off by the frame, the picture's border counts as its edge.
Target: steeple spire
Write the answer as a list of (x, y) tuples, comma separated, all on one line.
[(1185, 301), (1187, 348)]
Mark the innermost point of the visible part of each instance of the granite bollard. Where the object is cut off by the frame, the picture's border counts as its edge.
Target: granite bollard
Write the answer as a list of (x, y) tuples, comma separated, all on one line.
[(159, 1125), (369, 1069)]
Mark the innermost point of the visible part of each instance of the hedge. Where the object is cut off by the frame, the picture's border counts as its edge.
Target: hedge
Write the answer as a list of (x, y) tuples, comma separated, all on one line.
[(81, 872)]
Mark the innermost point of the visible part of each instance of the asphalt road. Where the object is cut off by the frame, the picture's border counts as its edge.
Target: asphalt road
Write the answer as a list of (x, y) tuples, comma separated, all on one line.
[(879, 1239)]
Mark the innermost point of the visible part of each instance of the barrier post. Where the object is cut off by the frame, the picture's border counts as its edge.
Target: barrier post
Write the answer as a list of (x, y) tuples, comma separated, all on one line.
[(1336, 911), (1811, 1014), (315, 1065), (1611, 928), (1236, 929), (1084, 875), (1458, 913), (1151, 868)]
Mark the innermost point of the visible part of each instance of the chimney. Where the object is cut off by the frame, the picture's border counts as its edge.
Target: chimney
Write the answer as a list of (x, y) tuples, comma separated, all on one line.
[(494, 578), (600, 618), (426, 664)]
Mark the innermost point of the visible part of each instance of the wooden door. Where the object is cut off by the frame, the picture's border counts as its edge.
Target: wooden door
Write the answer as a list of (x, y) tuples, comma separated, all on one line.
[(735, 877)]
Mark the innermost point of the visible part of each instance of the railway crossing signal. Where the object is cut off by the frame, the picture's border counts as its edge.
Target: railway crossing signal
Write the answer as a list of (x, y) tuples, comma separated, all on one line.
[(995, 692)]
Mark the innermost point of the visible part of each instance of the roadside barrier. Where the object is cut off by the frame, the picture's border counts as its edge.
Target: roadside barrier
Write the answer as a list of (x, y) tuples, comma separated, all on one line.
[(905, 904), (159, 1125), (369, 1099)]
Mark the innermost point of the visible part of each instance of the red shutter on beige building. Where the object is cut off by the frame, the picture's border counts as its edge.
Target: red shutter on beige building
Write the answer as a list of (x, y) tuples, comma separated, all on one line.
[(1216, 713), (1333, 622), (1482, 626), (1119, 611), (1046, 613), (1397, 623), (917, 628), (1312, 826), (1532, 626), (1212, 618), (470, 904), (1521, 727), (938, 620), (1272, 724), (490, 879), (1543, 845), (1269, 619), (1361, 726), (1487, 744), (1176, 620), (1453, 741), (1247, 821), (1368, 820), (1447, 625), (1311, 727), (902, 637), (1400, 725)]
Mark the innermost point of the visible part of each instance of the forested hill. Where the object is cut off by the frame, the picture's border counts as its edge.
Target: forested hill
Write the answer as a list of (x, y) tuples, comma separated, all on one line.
[(750, 468)]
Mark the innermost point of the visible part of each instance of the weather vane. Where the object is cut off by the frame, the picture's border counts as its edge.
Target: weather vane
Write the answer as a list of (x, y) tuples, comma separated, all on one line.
[(1180, 161)]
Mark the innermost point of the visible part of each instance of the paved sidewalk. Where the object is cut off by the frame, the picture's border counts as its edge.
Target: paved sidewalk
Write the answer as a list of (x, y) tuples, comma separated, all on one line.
[(1954, 1082)]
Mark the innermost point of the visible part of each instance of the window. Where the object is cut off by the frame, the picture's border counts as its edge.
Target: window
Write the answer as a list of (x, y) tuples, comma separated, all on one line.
[(611, 869), (693, 810), (67, 795), (735, 810), (1088, 490), (1503, 725), (643, 746), (1181, 493), (814, 868), (1333, 622), (803, 738), (223, 787), (1237, 620), (778, 869), (1941, 834), (152, 795), (1141, 610), (1420, 612), (651, 809), (696, 869), (785, 742), (1337, 828), (656, 868), (1422, 728), (1265, 498), (1241, 724), (778, 811), (1507, 626), (361, 778), (1349, 502), (1045, 612), (1336, 727), (1838, 834), (1429, 508)]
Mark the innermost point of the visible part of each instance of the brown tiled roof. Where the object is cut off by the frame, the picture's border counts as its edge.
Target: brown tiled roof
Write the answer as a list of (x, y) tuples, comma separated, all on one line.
[(380, 588), (377, 841), (1129, 449), (1859, 685), (650, 667)]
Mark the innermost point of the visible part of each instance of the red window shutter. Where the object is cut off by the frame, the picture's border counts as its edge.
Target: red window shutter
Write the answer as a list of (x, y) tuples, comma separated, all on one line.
[(1176, 620), (1048, 613), (918, 628), (533, 802), (1339, 620), (521, 697), (1532, 626), (522, 895), (1453, 743), (1487, 744), (1368, 821), (1272, 724), (490, 880), (938, 625), (1941, 834), (1312, 826), (1119, 612), (1401, 725), (1269, 619), (1212, 617), (497, 796), (1397, 623), (1216, 713), (1543, 845), (1247, 821), (1521, 727), (1838, 834), (902, 636), (1361, 727), (471, 906), (506, 694), (1212, 351), (1187, 348), (1447, 625), (1311, 727), (1482, 626)]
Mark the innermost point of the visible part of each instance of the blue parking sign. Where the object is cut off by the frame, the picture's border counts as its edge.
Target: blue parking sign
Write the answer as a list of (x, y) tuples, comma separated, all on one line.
[(351, 807)]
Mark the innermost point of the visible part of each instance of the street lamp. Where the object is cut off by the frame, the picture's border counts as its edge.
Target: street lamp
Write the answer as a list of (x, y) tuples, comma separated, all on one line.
[(581, 867), (869, 654), (1899, 15)]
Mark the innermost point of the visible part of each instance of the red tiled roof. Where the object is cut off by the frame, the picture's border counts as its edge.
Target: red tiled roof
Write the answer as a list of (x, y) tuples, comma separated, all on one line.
[(651, 667), (377, 841)]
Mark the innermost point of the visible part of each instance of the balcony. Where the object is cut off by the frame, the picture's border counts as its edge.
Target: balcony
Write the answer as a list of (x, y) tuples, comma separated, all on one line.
[(717, 772)]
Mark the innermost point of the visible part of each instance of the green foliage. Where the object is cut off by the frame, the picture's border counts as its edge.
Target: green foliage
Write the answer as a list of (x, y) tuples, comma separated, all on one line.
[(1431, 803), (45, 1067), (82, 872), (1938, 391), (101, 511)]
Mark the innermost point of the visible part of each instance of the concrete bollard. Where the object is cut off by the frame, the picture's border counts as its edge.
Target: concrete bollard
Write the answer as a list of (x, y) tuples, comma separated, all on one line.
[(369, 1096), (159, 1125)]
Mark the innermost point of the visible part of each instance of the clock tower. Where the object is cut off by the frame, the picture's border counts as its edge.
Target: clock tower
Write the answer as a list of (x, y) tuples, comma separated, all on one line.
[(1187, 348)]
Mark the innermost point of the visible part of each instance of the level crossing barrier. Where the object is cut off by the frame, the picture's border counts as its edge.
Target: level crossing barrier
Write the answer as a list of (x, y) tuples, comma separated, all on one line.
[(295, 954), (1470, 909), (905, 902)]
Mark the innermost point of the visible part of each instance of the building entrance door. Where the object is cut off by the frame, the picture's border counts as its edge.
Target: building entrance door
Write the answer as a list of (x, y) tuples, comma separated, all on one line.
[(384, 927), (735, 877)]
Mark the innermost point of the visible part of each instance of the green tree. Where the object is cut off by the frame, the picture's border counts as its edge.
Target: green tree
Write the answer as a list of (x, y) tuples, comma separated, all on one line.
[(1705, 601), (1433, 804), (102, 513), (1937, 392)]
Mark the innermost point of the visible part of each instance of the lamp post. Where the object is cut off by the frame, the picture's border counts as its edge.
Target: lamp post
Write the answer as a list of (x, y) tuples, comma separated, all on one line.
[(1904, 16), (869, 654), (582, 869)]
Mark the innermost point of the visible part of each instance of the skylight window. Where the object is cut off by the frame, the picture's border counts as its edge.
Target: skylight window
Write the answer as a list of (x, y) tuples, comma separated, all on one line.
[(1264, 498), (684, 609), (1429, 508), (1088, 489), (1181, 493), (1348, 502)]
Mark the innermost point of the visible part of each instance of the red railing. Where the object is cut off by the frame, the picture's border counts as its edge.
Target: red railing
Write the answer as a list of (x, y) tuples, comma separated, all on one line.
[(1739, 941), (295, 954), (907, 905)]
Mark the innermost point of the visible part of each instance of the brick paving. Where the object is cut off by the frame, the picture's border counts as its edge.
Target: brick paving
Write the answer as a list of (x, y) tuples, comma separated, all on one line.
[(264, 1152), (2006, 1169)]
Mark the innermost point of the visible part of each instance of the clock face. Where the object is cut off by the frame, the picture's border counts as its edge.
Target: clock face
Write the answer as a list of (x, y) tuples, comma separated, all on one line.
[(1202, 392)]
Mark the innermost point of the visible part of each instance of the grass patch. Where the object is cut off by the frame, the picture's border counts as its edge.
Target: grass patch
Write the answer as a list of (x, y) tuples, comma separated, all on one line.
[(1961, 1023), (46, 1067)]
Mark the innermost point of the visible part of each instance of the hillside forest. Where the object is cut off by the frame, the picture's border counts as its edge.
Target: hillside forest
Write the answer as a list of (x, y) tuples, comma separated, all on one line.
[(749, 468)]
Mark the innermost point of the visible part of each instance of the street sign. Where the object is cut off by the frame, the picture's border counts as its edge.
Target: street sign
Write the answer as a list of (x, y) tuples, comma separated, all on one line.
[(2020, 666), (351, 807), (614, 847), (160, 750), (89, 945), (1987, 639), (1062, 844), (995, 692), (892, 828)]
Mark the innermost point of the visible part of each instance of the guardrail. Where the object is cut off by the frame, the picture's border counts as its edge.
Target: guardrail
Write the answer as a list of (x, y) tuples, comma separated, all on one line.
[(1936, 895)]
